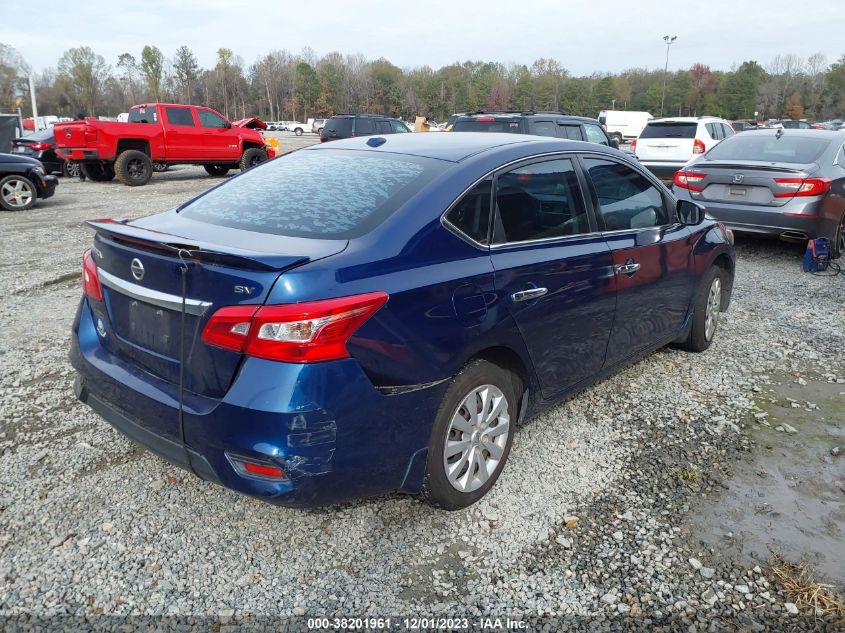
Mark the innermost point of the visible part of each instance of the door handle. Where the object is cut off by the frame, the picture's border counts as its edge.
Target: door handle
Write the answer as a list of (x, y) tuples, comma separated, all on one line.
[(527, 295), (628, 268)]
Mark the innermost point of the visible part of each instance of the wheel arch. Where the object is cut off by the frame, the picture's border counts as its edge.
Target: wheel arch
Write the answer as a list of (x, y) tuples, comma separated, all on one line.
[(139, 144), (517, 365), (728, 265)]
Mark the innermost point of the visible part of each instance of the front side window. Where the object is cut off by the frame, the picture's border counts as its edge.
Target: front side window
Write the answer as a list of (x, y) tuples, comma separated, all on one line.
[(363, 127), (179, 116), (210, 119), (595, 134), (572, 132), (471, 215), (626, 199), (383, 127), (539, 201), (544, 128), (399, 127)]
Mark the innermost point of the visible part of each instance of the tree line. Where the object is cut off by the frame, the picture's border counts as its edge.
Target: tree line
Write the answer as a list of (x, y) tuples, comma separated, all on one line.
[(283, 85)]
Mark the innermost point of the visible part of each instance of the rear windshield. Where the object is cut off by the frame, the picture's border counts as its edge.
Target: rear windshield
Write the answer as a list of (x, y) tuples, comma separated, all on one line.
[(143, 115), (669, 130), (330, 194), (768, 148), (338, 127), (485, 125), (42, 135)]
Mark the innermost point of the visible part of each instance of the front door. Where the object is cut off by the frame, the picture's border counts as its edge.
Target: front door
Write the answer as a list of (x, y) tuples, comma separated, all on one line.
[(219, 141), (651, 256), (184, 139), (553, 270)]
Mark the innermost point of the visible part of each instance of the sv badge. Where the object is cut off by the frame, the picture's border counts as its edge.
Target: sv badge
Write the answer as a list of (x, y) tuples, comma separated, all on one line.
[(244, 290)]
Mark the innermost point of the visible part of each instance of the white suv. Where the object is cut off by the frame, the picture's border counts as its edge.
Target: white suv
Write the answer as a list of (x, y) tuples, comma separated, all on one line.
[(666, 145)]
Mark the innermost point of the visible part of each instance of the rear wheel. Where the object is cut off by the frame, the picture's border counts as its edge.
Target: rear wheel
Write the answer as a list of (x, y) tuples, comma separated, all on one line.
[(133, 168), (216, 170), (71, 169), (252, 157), (98, 172), (298, 131), (472, 436), (17, 193), (705, 316), (837, 245), (618, 137), (160, 167)]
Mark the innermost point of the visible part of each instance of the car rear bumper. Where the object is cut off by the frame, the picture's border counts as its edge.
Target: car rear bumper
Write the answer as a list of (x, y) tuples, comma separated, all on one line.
[(665, 170), (333, 433), (78, 153)]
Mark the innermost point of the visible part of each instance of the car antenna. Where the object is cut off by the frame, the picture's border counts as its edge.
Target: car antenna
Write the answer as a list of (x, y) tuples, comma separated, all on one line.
[(779, 133)]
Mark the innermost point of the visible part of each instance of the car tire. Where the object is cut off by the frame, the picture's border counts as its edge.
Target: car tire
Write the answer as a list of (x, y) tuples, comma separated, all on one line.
[(216, 170), (298, 131), (319, 130), (17, 193), (252, 157), (71, 169), (98, 172), (160, 167), (133, 168), (706, 309), (618, 137), (468, 449), (837, 244)]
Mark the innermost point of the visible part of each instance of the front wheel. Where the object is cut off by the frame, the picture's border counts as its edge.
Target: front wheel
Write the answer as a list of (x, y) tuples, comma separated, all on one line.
[(472, 436), (705, 316), (252, 157), (17, 193), (71, 169), (133, 168)]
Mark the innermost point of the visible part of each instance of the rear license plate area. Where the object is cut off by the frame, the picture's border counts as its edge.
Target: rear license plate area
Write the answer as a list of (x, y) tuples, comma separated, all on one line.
[(147, 326), (738, 192)]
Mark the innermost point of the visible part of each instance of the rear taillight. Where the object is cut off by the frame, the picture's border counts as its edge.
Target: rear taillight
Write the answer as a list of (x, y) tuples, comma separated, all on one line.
[(802, 187), (634, 145), (698, 147), (40, 147), (90, 278), (688, 180), (307, 332), (89, 133)]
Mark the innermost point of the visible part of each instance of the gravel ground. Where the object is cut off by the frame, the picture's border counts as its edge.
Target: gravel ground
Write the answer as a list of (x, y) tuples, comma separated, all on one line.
[(588, 525)]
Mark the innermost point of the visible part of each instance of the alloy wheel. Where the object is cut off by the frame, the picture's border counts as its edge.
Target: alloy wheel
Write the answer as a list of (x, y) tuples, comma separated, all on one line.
[(711, 313), (135, 169), (17, 193), (476, 439)]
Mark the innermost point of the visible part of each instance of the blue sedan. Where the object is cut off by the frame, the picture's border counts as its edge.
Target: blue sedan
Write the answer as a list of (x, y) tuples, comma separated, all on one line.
[(381, 314)]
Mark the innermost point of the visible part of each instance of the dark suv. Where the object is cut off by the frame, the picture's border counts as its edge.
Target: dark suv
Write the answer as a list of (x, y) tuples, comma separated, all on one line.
[(558, 124), (349, 125)]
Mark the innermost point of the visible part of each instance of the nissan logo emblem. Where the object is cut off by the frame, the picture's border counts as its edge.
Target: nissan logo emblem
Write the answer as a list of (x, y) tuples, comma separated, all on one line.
[(137, 269)]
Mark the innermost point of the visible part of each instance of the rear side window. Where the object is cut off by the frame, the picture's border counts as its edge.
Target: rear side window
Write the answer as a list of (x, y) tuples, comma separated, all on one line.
[(669, 129), (544, 128), (338, 127), (364, 127), (487, 124), (471, 215), (383, 127), (768, 148), (331, 194), (179, 116), (627, 199), (539, 201), (143, 115), (572, 132)]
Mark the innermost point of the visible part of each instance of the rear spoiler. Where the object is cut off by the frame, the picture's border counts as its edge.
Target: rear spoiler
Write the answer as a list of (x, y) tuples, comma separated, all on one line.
[(189, 250)]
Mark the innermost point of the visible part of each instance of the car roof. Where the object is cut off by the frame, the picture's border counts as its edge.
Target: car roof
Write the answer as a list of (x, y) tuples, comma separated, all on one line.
[(526, 113), (684, 119), (811, 133), (457, 146), (350, 115)]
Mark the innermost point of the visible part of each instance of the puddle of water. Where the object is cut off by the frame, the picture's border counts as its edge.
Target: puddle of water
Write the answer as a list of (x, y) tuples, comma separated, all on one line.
[(789, 498)]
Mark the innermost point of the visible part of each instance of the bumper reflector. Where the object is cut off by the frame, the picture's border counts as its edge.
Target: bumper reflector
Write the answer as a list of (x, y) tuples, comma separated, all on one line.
[(258, 470)]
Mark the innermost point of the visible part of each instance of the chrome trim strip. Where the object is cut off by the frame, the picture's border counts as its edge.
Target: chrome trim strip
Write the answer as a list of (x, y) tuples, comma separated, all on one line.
[(147, 295)]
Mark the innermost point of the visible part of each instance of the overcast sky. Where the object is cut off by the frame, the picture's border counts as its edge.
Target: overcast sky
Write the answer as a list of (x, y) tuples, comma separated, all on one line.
[(585, 35)]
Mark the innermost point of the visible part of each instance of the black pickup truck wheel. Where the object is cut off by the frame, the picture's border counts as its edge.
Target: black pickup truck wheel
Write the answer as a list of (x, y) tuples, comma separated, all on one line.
[(133, 168), (98, 172)]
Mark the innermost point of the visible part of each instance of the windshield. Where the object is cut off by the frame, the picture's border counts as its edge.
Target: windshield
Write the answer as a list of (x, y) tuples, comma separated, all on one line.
[(669, 129), (331, 194), (768, 148), (487, 124), (143, 114)]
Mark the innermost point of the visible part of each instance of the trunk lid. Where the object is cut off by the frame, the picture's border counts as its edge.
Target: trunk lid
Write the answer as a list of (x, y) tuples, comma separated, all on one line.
[(747, 182), (670, 141), (140, 270)]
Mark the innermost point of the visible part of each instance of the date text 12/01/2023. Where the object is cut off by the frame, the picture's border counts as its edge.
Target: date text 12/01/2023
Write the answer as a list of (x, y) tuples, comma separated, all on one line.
[(417, 623)]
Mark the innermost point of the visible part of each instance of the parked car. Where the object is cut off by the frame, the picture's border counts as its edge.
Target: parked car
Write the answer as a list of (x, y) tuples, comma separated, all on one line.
[(165, 133), (317, 126), (380, 325), (788, 184), (557, 124), (666, 145), (298, 128), (42, 147), (623, 125), (342, 126), (792, 124), (22, 181), (743, 126)]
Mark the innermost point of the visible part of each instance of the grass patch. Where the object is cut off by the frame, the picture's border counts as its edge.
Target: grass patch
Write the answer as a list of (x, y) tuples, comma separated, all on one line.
[(797, 582)]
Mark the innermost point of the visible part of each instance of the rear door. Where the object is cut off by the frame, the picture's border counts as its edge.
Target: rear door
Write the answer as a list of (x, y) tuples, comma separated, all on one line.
[(650, 252), (185, 139), (219, 141), (553, 270), (669, 141)]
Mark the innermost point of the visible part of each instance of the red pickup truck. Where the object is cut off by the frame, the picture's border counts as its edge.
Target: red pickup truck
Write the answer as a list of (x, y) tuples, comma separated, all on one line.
[(166, 133)]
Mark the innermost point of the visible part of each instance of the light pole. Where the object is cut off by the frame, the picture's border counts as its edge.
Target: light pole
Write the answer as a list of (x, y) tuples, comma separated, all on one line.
[(669, 40)]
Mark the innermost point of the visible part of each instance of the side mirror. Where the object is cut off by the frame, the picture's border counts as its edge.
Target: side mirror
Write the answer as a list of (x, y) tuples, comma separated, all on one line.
[(690, 213), (227, 125), (614, 143)]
